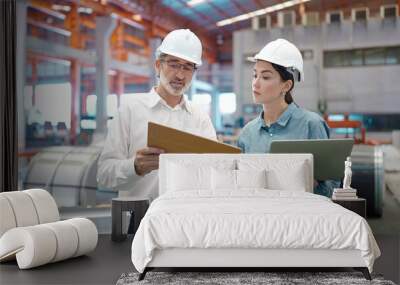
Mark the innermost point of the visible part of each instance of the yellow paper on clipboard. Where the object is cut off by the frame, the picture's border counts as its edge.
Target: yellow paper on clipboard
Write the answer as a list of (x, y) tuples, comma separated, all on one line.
[(175, 141)]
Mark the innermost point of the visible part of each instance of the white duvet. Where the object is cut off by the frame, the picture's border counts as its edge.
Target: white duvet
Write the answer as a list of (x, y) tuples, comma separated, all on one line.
[(254, 218)]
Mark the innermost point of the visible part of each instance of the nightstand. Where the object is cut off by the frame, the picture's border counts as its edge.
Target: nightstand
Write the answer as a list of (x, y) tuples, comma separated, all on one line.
[(119, 205), (357, 205)]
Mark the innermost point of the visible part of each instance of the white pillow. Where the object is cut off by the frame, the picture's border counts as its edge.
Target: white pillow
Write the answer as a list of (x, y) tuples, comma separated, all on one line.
[(223, 179), (226, 179), (251, 178), (292, 179), (281, 174), (182, 177)]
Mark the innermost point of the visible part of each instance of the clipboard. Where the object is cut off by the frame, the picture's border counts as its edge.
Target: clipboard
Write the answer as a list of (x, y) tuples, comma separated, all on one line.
[(175, 141)]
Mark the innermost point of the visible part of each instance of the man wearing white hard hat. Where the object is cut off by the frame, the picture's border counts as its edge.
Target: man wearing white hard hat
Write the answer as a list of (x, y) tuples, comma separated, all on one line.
[(126, 163), (277, 67)]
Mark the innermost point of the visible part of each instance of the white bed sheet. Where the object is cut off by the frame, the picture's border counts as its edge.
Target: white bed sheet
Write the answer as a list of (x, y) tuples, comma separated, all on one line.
[(252, 218)]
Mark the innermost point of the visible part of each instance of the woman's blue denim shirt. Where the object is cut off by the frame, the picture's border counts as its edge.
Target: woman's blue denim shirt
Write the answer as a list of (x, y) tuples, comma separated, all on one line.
[(294, 123)]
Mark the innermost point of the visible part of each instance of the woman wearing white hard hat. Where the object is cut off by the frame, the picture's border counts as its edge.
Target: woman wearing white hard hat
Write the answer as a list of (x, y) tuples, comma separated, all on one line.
[(277, 67)]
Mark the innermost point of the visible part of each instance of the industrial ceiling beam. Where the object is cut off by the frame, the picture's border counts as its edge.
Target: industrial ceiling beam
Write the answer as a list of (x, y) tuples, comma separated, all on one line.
[(77, 39), (38, 58), (72, 30), (127, 16), (151, 27), (45, 7), (100, 10), (221, 12), (59, 51), (258, 4), (240, 8), (201, 15), (50, 27)]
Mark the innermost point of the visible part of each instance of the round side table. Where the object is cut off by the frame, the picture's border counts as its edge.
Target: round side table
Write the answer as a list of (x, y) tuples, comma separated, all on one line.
[(137, 205)]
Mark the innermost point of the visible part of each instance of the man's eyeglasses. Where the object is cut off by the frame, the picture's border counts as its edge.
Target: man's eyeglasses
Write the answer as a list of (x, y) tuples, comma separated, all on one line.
[(176, 66)]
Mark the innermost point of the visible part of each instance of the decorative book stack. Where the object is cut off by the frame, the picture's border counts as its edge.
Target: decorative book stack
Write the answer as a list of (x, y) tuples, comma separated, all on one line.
[(344, 194)]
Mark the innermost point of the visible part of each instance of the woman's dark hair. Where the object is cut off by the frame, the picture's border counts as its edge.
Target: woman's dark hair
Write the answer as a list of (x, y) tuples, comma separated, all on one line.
[(285, 75)]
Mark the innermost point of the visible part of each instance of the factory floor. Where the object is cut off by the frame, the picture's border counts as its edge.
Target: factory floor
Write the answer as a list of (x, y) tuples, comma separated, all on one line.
[(386, 230), (389, 223)]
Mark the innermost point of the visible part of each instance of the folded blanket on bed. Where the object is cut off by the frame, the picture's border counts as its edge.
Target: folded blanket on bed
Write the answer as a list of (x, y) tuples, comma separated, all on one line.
[(253, 218)]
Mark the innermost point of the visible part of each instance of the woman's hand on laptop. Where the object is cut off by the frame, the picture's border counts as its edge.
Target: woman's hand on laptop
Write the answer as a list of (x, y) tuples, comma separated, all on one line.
[(147, 160)]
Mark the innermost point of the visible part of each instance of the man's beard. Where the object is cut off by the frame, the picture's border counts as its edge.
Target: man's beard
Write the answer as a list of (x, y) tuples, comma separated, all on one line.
[(174, 87)]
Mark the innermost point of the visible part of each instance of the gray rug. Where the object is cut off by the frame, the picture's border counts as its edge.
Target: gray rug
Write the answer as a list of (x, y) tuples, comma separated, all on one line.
[(228, 278)]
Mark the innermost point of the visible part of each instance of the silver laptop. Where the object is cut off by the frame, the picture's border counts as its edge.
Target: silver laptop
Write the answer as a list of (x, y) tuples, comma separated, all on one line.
[(329, 154)]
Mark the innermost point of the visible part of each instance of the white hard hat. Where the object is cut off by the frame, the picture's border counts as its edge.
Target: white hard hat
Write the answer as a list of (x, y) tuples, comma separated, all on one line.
[(182, 43), (284, 53)]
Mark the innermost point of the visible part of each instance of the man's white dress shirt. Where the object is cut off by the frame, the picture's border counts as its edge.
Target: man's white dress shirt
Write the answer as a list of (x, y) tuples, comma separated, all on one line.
[(127, 133)]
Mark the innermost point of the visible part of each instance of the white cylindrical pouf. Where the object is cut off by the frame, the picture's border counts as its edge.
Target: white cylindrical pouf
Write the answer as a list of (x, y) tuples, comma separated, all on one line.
[(34, 246), (7, 218), (40, 247), (396, 138), (87, 235), (67, 239), (45, 205), (23, 208)]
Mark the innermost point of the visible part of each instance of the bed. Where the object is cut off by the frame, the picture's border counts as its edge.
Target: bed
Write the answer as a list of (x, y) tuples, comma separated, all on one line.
[(247, 210)]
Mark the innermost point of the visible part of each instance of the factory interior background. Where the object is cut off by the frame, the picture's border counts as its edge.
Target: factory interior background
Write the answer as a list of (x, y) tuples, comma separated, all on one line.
[(77, 62)]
